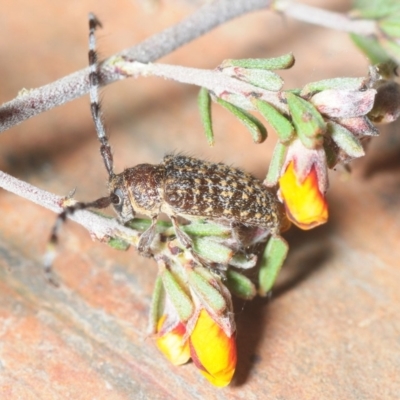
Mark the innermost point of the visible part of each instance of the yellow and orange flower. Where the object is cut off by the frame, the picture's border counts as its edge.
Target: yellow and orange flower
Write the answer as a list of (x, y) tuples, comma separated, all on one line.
[(172, 343), (211, 349), (305, 205)]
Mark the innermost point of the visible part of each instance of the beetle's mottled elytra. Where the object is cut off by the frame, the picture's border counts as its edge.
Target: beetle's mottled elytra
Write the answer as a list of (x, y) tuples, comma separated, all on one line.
[(180, 186), (186, 187), (193, 187)]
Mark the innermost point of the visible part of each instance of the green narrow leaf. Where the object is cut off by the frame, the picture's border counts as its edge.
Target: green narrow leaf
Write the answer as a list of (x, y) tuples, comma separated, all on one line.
[(181, 301), (392, 48), (276, 164), (391, 26), (310, 126), (282, 62), (204, 102), (240, 285), (156, 306), (334, 83), (206, 291), (262, 78), (345, 140), (272, 261), (371, 48), (256, 128), (201, 228), (283, 127), (118, 244), (212, 250), (296, 91), (375, 9), (141, 224)]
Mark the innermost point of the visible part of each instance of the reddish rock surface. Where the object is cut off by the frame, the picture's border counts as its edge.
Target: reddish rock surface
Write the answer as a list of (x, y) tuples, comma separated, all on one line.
[(330, 330)]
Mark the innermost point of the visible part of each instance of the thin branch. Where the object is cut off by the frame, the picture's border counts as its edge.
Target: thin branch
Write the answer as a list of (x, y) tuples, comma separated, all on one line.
[(325, 18), (32, 102), (222, 85), (100, 227), (212, 14)]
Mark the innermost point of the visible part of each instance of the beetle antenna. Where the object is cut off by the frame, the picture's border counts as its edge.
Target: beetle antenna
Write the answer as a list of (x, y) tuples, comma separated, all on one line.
[(50, 254), (105, 150), (94, 83)]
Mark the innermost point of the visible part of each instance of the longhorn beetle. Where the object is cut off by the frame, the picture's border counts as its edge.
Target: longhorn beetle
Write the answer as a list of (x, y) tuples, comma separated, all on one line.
[(179, 186)]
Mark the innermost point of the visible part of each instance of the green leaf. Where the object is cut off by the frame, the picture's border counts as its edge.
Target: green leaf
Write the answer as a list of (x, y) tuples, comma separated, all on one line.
[(295, 91), (282, 62), (392, 48), (206, 228), (309, 124), (157, 303), (371, 48), (390, 26), (142, 224), (283, 127), (240, 285), (212, 250), (345, 140), (256, 128), (179, 298), (118, 244), (204, 102), (206, 290), (334, 83), (375, 9), (272, 261), (276, 164), (262, 78)]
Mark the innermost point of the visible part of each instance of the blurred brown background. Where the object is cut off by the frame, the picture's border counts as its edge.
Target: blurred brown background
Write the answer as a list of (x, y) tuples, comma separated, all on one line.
[(331, 328)]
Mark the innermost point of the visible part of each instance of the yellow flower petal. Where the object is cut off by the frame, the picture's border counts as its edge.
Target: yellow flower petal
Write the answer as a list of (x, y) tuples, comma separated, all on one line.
[(213, 352), (305, 205), (172, 345)]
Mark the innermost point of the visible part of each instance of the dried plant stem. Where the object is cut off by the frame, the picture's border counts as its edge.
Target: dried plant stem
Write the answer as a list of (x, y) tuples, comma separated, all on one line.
[(219, 83), (327, 19), (211, 15), (100, 227)]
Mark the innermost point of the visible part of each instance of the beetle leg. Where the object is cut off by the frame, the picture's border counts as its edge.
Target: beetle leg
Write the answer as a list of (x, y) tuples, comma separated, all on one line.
[(236, 235), (147, 237), (182, 236), (187, 242)]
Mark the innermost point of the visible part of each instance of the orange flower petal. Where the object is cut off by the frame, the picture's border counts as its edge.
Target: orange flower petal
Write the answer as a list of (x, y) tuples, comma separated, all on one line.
[(213, 352), (305, 205), (172, 345)]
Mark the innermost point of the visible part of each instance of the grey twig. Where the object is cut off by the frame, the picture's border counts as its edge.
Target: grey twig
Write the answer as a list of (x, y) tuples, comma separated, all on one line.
[(100, 227), (212, 14), (325, 18), (33, 102)]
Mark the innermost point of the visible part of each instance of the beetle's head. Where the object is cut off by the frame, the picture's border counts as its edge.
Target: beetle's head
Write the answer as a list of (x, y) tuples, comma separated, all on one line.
[(119, 196)]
